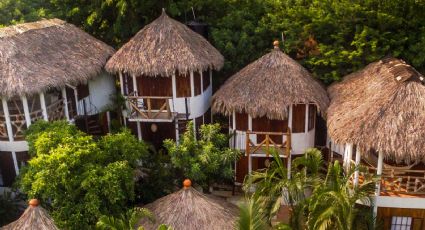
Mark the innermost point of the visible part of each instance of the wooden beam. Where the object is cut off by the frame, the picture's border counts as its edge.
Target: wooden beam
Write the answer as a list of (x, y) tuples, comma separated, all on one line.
[(65, 103), (26, 110), (43, 106)]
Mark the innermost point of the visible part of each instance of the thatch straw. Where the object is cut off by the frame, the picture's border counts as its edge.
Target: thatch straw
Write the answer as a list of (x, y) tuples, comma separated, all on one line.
[(47, 54), (268, 86), (34, 218), (189, 209), (381, 107), (162, 47)]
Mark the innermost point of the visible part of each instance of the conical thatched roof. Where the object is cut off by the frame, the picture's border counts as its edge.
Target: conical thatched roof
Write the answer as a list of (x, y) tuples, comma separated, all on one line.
[(49, 53), (268, 86), (34, 218), (189, 209), (381, 107), (162, 47)]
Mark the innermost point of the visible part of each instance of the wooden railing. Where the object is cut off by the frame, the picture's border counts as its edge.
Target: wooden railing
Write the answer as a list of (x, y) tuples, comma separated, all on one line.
[(55, 111), (268, 143), (144, 107), (403, 181)]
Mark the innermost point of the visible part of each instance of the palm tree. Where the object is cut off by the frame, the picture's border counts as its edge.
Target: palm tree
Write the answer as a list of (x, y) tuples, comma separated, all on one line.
[(272, 186), (127, 221), (317, 201), (251, 217), (336, 204)]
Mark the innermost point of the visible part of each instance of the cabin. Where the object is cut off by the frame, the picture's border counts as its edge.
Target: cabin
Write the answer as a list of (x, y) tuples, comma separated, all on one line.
[(165, 73), (377, 118), (271, 103), (49, 70)]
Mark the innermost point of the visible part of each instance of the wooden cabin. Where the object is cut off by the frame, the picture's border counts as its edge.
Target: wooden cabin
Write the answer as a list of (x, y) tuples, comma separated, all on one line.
[(165, 72), (49, 70), (377, 118), (271, 103)]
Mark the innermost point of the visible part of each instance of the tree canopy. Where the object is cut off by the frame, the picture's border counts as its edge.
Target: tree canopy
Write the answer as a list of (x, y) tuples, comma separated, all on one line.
[(331, 38)]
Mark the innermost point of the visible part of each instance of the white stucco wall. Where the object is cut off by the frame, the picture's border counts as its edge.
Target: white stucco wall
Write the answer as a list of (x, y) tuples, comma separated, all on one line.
[(101, 89)]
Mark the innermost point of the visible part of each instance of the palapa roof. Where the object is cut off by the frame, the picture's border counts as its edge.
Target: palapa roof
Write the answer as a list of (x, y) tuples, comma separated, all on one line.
[(47, 54), (188, 209), (267, 86), (382, 108), (34, 218), (163, 47)]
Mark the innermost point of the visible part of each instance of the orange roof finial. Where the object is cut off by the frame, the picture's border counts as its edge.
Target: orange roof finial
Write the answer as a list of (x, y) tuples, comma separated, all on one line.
[(276, 44), (33, 203), (187, 184)]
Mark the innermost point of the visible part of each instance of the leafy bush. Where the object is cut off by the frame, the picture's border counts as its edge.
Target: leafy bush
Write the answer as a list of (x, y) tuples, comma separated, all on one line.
[(204, 160), (80, 179)]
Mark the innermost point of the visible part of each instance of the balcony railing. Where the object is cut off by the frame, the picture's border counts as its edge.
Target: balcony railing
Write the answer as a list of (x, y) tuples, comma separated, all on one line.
[(269, 143), (403, 181), (55, 111), (150, 108)]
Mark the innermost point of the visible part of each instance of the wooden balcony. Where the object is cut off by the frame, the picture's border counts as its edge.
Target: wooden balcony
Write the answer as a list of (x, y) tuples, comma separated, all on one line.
[(267, 142), (146, 108), (402, 182), (55, 111)]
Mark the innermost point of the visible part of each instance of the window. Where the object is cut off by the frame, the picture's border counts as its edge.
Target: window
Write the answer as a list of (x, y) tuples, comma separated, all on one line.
[(206, 79), (197, 83), (401, 223), (183, 85), (298, 118)]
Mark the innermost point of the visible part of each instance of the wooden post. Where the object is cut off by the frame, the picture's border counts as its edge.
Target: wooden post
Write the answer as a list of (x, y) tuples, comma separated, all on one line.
[(247, 150), (135, 89), (192, 85), (43, 107), (290, 117), (26, 110), (77, 107), (65, 103), (347, 156), (174, 86), (288, 151), (139, 132), (121, 83), (267, 145), (149, 106), (15, 162), (356, 173), (202, 81), (378, 184), (7, 119), (306, 118), (9, 131), (176, 125)]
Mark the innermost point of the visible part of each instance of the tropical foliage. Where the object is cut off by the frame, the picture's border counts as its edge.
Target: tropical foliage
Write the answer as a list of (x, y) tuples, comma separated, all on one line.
[(10, 207), (317, 200), (204, 159), (78, 178), (127, 221)]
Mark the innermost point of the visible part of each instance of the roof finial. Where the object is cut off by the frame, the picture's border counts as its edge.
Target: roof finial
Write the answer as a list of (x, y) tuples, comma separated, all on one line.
[(187, 184), (276, 44), (33, 202)]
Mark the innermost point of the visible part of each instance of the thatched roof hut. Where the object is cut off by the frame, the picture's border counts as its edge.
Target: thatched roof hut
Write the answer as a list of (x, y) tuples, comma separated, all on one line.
[(34, 218), (268, 86), (47, 54), (188, 209), (163, 47), (381, 107)]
